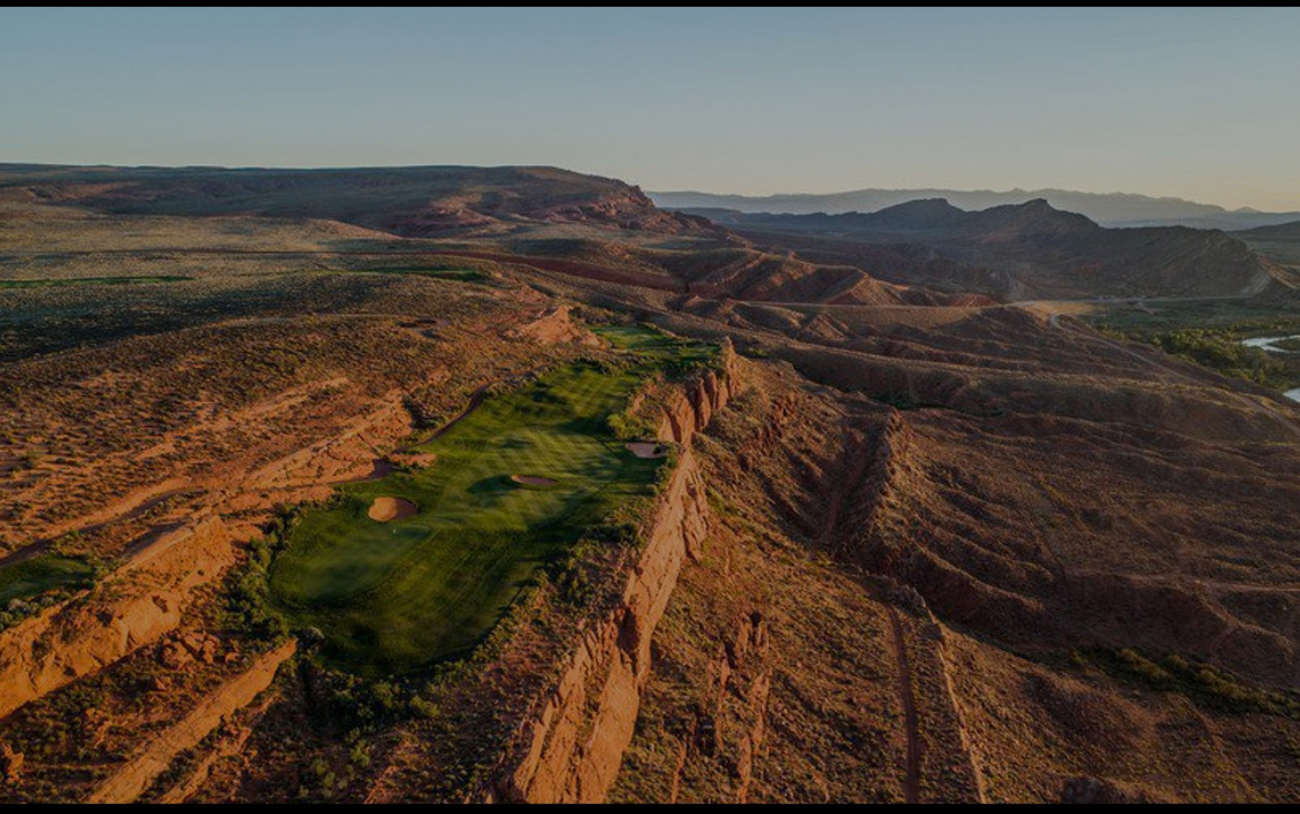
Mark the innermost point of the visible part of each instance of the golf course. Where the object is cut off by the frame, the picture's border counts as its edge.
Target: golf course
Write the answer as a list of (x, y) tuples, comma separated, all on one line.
[(419, 565)]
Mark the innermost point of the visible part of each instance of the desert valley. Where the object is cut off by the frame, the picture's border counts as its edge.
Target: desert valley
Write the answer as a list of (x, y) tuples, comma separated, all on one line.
[(468, 484)]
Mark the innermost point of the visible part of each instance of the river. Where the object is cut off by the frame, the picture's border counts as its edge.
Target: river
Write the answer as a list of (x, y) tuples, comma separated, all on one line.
[(1269, 343)]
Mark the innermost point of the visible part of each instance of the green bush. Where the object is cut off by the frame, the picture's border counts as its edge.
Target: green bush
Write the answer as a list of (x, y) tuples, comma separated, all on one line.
[(1204, 683)]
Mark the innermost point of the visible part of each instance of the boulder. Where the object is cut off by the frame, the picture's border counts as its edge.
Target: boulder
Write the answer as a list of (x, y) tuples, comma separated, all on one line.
[(11, 763)]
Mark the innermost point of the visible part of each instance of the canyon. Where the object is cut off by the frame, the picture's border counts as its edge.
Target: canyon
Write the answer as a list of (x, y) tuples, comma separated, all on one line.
[(909, 540)]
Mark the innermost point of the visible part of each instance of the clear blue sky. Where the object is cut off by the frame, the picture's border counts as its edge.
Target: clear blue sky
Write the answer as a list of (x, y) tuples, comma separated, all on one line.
[(1200, 104)]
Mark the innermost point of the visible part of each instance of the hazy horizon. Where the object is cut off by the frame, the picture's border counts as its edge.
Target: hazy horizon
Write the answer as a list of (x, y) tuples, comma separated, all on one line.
[(1178, 103), (985, 190)]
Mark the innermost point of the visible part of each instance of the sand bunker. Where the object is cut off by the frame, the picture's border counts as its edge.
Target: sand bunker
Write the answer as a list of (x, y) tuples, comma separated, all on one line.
[(533, 480), (647, 449), (386, 509)]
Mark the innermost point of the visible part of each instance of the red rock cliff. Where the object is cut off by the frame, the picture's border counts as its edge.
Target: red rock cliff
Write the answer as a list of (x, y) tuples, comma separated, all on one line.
[(135, 606), (570, 749)]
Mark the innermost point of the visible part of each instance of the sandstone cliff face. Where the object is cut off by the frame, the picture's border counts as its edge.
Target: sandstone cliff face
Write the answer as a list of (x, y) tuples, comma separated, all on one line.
[(570, 749), (554, 326), (130, 781), (135, 606), (692, 407)]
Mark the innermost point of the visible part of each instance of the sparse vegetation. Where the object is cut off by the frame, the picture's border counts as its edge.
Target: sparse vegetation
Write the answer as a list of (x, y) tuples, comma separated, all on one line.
[(1211, 334), (456, 274), (1204, 683), (59, 282), (248, 606)]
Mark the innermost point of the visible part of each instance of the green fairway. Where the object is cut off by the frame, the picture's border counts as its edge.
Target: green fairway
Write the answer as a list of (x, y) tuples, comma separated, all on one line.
[(394, 596), (42, 573)]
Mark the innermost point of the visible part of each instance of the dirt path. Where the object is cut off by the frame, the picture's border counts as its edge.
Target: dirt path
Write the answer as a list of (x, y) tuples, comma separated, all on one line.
[(903, 677), (129, 508), (903, 682), (383, 468), (475, 399)]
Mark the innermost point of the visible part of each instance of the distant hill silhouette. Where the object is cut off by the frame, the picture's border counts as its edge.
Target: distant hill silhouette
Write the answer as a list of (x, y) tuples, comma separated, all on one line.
[(1114, 209), (1281, 231), (1013, 251), (1280, 243), (1019, 251), (409, 201)]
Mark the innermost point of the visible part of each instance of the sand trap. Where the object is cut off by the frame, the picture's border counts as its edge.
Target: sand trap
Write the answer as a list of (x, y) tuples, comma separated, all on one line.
[(533, 480), (386, 509), (646, 449)]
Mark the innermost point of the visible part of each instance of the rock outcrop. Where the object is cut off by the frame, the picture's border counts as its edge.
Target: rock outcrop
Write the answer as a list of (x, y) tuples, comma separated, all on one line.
[(131, 780), (137, 605), (11, 764), (689, 409), (554, 326), (571, 747)]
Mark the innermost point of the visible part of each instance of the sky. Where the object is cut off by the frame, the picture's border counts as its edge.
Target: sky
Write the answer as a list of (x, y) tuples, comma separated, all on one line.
[(1202, 104)]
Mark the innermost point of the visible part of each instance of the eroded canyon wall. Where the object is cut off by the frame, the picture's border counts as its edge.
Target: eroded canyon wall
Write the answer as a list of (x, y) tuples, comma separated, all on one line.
[(135, 606), (571, 748)]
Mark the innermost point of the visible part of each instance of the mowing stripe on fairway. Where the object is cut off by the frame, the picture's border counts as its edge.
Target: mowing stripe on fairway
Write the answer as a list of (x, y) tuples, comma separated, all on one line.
[(396, 596)]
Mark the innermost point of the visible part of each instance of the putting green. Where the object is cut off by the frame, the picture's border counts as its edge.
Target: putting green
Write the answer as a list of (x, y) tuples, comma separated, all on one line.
[(394, 596)]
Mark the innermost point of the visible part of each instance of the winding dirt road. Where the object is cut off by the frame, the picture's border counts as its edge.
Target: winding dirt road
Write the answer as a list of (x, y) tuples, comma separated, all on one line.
[(903, 682)]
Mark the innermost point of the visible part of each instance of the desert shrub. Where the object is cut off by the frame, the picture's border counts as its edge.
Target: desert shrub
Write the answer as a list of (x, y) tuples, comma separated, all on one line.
[(627, 427), (248, 607), (1206, 684), (1145, 669)]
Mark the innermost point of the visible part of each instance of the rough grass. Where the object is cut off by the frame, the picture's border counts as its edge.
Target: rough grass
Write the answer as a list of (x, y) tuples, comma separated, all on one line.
[(674, 356), (458, 275), (46, 572), (393, 597)]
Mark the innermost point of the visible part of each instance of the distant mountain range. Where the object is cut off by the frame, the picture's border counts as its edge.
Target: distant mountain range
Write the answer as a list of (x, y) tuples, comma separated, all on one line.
[(1021, 251), (924, 251), (1113, 210)]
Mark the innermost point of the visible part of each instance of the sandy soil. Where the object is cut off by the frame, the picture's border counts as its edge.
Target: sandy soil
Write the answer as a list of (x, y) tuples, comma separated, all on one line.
[(647, 449), (387, 509), (418, 460)]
